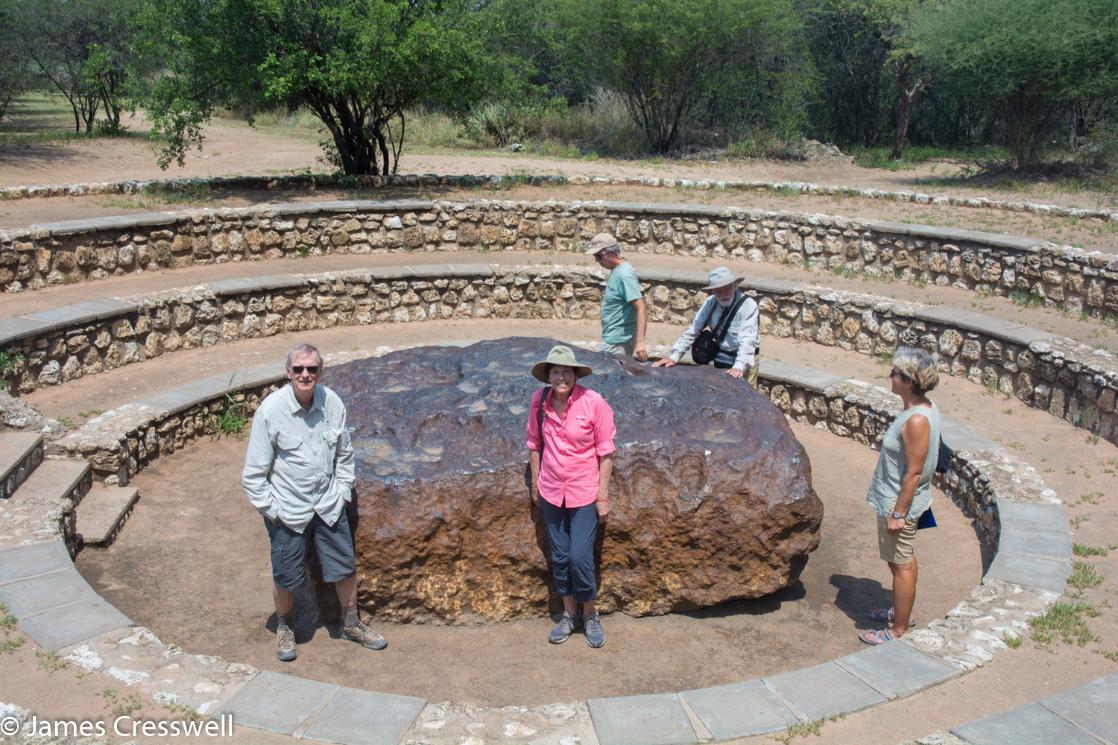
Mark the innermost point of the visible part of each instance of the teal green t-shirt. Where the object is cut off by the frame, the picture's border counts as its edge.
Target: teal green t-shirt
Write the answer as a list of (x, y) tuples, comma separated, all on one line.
[(619, 317)]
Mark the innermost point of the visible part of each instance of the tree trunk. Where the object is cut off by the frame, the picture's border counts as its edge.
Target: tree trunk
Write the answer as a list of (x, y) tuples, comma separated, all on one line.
[(907, 95)]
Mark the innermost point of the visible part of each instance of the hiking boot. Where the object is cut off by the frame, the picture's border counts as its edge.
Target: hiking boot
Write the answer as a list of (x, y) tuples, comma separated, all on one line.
[(595, 634), (364, 636), (563, 630), (285, 643)]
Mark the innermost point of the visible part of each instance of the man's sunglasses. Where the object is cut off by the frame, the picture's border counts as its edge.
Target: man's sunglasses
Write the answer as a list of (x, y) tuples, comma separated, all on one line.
[(298, 369)]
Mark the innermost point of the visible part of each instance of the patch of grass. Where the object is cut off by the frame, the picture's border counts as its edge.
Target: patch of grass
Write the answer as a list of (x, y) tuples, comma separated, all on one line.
[(10, 364), (1091, 497), (1065, 621), (800, 729), (1081, 550), (233, 419), (183, 712), (128, 705), (1076, 521), (1026, 299), (1110, 655), (11, 644), (1084, 576), (67, 422), (7, 620), (49, 661), (1011, 640), (1092, 439)]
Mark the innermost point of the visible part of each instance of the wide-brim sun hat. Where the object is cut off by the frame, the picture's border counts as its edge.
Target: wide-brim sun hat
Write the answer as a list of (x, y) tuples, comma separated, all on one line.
[(720, 276), (601, 242), (560, 354)]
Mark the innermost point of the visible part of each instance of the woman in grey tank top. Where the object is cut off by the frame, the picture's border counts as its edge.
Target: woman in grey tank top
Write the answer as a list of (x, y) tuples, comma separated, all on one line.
[(901, 488)]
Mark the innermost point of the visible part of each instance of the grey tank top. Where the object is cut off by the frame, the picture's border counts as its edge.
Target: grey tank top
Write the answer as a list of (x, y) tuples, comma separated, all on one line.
[(885, 485)]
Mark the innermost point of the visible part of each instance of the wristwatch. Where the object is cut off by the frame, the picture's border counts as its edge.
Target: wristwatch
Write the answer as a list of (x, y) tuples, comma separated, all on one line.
[(897, 515)]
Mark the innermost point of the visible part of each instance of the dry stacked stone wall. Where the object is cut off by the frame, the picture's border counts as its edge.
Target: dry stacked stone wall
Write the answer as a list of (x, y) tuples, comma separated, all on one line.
[(1070, 279), (1069, 380)]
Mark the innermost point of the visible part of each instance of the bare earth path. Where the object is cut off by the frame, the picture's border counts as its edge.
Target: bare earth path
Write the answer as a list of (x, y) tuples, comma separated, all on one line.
[(153, 568)]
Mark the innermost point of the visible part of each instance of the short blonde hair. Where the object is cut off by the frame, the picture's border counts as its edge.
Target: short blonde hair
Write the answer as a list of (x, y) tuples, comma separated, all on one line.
[(918, 366)]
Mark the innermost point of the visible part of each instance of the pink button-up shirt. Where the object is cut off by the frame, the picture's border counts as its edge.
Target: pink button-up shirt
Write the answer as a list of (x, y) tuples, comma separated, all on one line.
[(572, 445)]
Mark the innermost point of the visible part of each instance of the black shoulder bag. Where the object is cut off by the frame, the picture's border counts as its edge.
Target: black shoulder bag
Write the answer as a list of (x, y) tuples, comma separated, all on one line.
[(706, 345)]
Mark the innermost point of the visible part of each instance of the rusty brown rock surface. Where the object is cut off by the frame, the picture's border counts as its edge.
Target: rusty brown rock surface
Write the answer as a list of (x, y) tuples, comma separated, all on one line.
[(711, 497)]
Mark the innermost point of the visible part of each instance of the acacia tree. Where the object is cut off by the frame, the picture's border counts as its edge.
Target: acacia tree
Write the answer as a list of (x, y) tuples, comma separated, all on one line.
[(358, 65), (15, 64), (669, 58), (83, 47), (1033, 58)]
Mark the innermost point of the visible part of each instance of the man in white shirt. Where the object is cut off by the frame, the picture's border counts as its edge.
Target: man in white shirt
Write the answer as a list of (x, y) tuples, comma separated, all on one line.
[(299, 475), (740, 348)]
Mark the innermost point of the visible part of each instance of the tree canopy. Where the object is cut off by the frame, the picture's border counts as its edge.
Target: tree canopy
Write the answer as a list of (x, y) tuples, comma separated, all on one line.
[(1032, 58), (670, 59), (358, 65)]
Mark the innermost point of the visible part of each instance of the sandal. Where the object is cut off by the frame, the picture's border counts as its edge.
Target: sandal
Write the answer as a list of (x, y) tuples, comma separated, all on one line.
[(874, 638), (885, 615)]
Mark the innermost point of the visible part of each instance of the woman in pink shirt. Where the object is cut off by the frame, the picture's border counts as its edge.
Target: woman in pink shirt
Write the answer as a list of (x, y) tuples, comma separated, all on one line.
[(570, 444)]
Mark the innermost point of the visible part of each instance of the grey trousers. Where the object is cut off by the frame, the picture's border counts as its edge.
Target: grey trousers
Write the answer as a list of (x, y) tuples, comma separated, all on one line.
[(570, 538)]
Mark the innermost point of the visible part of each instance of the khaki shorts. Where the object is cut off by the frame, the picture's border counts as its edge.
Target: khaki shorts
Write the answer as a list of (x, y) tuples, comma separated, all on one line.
[(896, 547), (620, 350)]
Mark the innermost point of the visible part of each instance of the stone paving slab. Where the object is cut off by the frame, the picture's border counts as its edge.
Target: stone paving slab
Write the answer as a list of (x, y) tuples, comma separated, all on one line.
[(656, 719), (21, 562), (1018, 540), (1032, 516), (787, 372), (27, 597), (739, 710), (234, 286), (280, 281), (14, 329), (471, 270), (1090, 706), (357, 717), (1031, 571), (69, 624), (1031, 724), (771, 285), (278, 703), (959, 436), (91, 310), (897, 670), (823, 691), (66, 227)]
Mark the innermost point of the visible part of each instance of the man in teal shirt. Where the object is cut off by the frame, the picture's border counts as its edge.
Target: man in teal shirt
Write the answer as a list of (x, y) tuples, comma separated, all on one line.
[(624, 315)]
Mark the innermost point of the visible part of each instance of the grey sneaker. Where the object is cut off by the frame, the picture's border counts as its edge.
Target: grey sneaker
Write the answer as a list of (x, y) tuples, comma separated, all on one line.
[(563, 630), (364, 636), (285, 643), (595, 634)]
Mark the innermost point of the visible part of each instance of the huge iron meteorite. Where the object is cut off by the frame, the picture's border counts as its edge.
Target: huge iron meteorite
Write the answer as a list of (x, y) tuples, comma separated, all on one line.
[(711, 496)]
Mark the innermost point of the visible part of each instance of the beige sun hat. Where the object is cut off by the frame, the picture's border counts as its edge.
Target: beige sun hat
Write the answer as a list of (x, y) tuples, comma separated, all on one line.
[(601, 242), (720, 276), (559, 355)]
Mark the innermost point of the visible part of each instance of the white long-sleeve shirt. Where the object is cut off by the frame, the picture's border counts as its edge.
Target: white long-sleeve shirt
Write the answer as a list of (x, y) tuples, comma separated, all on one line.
[(743, 337), (299, 462)]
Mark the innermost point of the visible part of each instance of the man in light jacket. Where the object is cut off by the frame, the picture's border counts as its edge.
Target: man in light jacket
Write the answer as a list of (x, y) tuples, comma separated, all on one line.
[(299, 475), (740, 349)]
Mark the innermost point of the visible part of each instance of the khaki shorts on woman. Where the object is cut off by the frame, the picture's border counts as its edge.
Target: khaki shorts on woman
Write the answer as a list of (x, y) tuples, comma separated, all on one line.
[(896, 547)]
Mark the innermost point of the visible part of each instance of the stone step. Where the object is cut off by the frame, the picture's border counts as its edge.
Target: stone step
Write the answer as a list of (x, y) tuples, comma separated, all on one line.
[(20, 454), (103, 512), (55, 480)]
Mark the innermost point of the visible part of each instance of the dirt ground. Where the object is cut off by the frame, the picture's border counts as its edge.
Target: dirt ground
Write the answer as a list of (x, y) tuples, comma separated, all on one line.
[(172, 551), (843, 578), (234, 148)]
